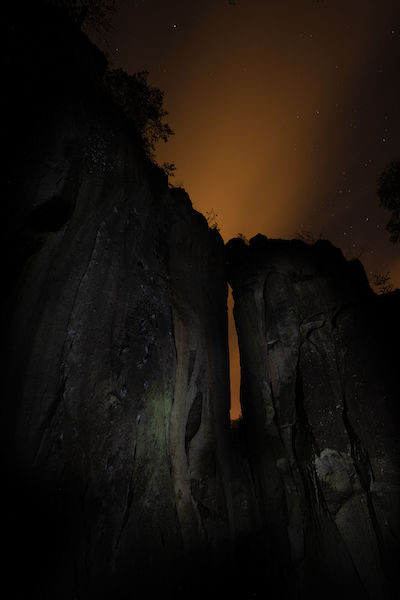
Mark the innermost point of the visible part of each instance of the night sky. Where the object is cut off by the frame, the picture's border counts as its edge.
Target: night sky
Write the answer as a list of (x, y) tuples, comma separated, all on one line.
[(285, 112)]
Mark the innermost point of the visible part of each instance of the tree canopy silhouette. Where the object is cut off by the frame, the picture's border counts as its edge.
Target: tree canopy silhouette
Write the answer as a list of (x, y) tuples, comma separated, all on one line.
[(389, 196), (95, 13), (142, 104), (139, 101)]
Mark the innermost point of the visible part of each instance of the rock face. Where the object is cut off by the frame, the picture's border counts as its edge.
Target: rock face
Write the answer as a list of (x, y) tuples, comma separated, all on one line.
[(121, 476), (320, 409), (116, 423)]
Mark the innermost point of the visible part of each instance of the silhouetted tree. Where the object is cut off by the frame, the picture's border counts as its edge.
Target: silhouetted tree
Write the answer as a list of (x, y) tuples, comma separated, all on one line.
[(211, 217), (95, 13), (382, 282), (308, 237), (389, 196), (142, 104)]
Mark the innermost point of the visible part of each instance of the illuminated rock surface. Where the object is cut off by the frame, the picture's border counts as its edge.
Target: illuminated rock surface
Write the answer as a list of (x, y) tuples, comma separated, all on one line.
[(116, 361), (121, 476), (320, 406)]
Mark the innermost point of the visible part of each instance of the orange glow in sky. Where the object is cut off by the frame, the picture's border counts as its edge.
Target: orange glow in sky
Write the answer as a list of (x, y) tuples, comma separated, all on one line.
[(285, 113)]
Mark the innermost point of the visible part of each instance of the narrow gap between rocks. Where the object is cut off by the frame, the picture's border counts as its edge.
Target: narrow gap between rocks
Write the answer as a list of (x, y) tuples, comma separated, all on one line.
[(234, 362)]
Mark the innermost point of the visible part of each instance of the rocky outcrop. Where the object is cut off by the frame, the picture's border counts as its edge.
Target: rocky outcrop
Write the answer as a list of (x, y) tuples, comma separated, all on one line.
[(121, 476), (115, 426), (319, 399)]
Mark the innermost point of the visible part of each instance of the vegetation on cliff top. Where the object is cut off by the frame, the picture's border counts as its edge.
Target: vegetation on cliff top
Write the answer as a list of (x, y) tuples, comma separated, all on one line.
[(140, 102), (143, 105), (94, 13), (389, 196)]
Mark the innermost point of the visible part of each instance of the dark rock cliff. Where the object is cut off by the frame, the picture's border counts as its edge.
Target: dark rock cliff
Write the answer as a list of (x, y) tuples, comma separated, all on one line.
[(121, 477), (115, 362), (320, 397)]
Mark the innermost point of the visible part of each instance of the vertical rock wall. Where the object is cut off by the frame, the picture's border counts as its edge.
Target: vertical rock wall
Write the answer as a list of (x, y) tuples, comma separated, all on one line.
[(119, 478), (319, 399), (115, 379), (200, 414)]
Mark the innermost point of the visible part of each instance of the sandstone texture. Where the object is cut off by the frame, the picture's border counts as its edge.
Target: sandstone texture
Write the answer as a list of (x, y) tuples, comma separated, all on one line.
[(115, 367), (123, 477), (320, 414)]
